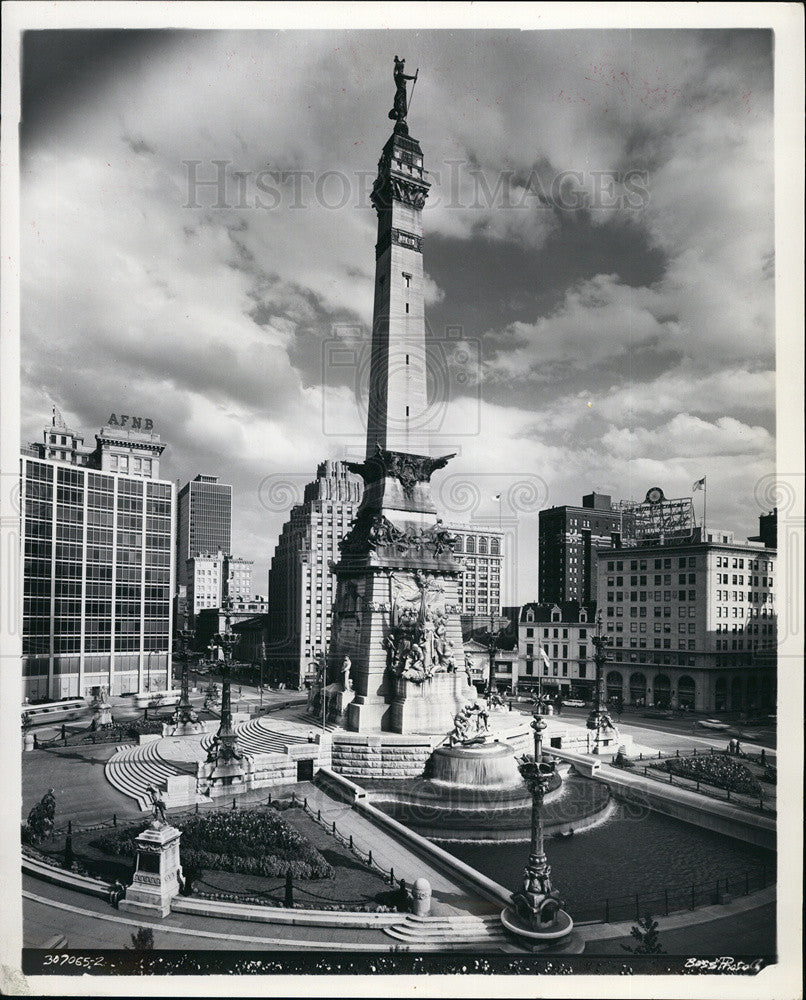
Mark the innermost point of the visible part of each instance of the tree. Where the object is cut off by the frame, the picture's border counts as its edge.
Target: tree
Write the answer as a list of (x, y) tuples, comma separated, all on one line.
[(646, 934), (143, 940), (41, 818)]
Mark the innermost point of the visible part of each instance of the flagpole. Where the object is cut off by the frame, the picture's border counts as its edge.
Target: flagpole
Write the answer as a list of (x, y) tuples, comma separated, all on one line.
[(704, 504)]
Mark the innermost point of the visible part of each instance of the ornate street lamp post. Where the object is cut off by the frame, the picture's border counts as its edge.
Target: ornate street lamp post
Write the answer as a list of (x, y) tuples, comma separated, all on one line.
[(224, 749), (599, 720), (494, 646), (185, 714), (536, 913)]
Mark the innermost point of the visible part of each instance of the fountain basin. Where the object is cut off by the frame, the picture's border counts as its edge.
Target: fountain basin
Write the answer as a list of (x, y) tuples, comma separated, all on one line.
[(475, 793), (487, 766)]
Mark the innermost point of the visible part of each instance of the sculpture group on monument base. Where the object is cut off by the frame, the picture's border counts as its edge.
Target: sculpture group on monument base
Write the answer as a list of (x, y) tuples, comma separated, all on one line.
[(373, 532), (416, 642), (471, 724)]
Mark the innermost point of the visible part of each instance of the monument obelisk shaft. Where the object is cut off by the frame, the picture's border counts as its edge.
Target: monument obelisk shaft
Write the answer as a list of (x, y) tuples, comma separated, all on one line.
[(398, 404), (396, 614)]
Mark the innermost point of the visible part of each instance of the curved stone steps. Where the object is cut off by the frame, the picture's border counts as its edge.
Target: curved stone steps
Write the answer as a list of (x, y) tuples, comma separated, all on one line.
[(448, 932), (255, 738), (132, 769)]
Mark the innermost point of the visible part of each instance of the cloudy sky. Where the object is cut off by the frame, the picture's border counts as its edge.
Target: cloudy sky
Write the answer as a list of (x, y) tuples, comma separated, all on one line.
[(599, 252)]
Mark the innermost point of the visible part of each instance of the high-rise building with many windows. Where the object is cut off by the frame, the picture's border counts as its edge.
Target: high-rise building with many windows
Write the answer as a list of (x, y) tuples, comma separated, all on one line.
[(482, 553), (97, 551), (204, 521), (567, 543), (301, 584)]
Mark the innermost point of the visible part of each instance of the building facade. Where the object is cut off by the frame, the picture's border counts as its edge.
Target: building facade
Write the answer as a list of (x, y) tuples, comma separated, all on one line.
[(204, 521), (301, 585), (693, 625), (205, 587), (237, 578), (567, 541), (98, 577), (130, 447), (555, 651), (482, 552), (209, 621)]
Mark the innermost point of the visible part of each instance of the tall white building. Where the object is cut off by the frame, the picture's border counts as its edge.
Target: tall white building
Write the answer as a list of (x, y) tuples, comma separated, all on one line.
[(301, 585), (237, 579), (205, 587), (482, 552)]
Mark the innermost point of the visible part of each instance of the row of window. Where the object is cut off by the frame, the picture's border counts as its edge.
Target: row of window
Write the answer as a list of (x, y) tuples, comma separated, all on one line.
[(639, 564)]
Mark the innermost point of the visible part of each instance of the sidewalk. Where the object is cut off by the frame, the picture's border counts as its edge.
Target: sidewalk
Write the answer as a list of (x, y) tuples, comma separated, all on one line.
[(745, 926), (448, 896)]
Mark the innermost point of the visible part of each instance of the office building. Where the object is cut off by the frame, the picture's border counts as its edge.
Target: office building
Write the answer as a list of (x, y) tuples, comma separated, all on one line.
[(98, 568), (204, 522), (124, 444), (563, 633), (301, 585), (567, 541), (693, 624), (209, 621), (481, 550), (237, 578), (205, 587)]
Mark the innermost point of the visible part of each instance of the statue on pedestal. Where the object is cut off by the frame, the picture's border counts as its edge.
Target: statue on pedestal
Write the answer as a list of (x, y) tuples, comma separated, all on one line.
[(400, 109), (347, 684), (158, 805)]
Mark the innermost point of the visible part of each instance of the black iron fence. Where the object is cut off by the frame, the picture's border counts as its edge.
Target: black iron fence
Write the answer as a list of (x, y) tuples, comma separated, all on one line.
[(651, 765), (674, 898)]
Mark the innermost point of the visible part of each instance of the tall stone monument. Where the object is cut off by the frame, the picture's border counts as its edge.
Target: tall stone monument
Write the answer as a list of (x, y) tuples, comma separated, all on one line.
[(396, 609)]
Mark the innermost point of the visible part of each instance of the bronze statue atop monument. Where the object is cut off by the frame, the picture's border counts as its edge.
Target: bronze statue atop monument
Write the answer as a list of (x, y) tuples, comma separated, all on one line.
[(401, 104)]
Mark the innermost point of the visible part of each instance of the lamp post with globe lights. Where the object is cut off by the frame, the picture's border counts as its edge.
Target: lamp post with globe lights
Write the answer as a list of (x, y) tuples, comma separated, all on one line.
[(536, 915), (224, 749)]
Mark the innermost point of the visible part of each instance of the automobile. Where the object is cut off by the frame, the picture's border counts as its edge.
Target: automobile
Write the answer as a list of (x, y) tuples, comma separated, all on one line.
[(573, 703), (712, 724)]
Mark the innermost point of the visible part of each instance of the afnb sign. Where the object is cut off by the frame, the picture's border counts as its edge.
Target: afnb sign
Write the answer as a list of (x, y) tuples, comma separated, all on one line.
[(136, 423)]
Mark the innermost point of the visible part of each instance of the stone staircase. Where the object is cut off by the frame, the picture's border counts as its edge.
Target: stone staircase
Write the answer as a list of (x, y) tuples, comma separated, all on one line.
[(457, 932), (255, 737), (132, 769)]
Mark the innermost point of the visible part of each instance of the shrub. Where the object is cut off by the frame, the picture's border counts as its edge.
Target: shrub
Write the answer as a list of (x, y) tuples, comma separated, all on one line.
[(718, 770)]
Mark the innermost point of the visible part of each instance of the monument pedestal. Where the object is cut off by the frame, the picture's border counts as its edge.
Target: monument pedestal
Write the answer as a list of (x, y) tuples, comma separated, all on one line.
[(157, 873), (429, 707), (559, 939), (337, 704)]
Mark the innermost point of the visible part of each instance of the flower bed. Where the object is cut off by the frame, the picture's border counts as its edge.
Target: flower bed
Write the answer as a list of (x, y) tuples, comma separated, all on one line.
[(245, 900), (243, 841), (718, 770)]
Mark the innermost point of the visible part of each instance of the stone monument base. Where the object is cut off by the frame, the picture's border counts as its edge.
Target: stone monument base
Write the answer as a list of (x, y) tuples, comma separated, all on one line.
[(182, 729), (157, 873), (557, 939), (337, 702), (430, 707)]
